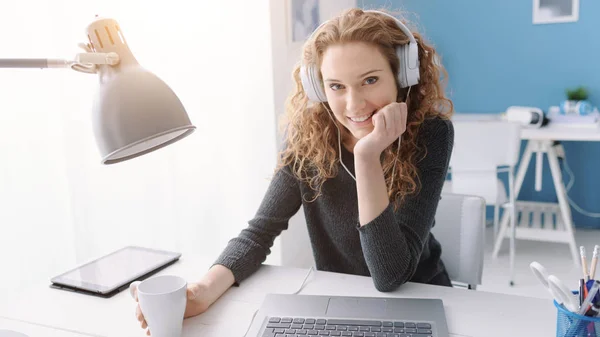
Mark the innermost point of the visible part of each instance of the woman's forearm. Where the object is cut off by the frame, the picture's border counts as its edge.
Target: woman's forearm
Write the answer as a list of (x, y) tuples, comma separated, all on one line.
[(371, 188), (218, 279)]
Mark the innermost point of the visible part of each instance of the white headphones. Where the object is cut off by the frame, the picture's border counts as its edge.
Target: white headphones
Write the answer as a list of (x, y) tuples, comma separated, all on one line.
[(408, 70)]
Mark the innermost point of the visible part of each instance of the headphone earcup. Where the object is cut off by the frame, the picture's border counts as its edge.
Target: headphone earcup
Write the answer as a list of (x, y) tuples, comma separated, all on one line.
[(402, 54), (406, 76), (309, 76), (412, 74)]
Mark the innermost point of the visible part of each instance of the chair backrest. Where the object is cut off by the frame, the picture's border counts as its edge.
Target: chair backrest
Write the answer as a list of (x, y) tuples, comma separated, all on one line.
[(485, 145), (459, 227)]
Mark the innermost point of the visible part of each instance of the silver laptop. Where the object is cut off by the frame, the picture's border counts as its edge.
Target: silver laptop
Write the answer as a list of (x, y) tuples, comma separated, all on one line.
[(305, 316)]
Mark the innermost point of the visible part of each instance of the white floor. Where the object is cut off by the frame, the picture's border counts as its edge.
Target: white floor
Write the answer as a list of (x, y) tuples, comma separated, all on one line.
[(554, 256)]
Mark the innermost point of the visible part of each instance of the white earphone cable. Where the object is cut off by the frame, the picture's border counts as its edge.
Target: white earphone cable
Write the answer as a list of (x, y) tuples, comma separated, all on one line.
[(568, 188), (294, 293), (330, 114)]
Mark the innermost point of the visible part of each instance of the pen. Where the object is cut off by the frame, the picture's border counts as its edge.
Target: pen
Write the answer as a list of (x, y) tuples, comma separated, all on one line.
[(594, 261), (581, 295), (589, 298), (593, 310), (586, 276)]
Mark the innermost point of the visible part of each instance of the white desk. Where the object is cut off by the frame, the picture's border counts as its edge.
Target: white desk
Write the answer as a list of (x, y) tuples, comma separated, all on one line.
[(469, 313), (33, 330), (562, 132), (539, 142)]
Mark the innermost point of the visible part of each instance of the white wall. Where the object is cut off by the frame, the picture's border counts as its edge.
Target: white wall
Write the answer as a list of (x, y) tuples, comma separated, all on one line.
[(229, 63), (59, 206), (294, 243)]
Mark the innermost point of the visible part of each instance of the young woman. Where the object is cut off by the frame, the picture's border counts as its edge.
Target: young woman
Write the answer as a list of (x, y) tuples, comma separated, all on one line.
[(368, 142)]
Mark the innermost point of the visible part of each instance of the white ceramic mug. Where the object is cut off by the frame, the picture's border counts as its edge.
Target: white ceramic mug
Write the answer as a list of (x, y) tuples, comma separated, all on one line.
[(162, 300)]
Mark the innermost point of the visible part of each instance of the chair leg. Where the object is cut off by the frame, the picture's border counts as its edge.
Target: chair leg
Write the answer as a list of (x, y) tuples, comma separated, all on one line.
[(513, 225), (496, 219), (518, 182), (504, 226)]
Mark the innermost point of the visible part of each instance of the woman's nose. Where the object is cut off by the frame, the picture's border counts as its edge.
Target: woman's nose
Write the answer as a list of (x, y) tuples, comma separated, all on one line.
[(355, 102)]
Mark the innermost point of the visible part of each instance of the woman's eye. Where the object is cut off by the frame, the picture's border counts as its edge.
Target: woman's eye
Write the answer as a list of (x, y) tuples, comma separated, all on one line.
[(371, 80), (335, 86)]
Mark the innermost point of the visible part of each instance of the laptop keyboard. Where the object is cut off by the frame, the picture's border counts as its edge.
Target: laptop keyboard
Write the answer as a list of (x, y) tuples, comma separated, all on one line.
[(305, 327)]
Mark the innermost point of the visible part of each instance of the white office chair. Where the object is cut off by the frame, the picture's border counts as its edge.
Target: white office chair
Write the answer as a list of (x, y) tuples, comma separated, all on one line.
[(459, 227), (480, 148), (493, 192)]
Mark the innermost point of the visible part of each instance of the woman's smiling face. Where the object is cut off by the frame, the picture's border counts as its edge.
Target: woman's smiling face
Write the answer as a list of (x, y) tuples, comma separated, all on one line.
[(358, 81)]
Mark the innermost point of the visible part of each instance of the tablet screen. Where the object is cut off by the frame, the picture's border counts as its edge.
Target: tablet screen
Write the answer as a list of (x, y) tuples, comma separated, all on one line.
[(116, 269)]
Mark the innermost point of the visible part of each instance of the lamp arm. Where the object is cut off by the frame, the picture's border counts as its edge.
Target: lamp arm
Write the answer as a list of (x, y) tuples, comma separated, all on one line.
[(35, 63), (84, 62)]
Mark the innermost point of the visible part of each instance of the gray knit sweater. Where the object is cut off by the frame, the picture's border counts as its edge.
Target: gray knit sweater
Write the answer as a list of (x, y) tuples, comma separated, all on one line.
[(394, 248)]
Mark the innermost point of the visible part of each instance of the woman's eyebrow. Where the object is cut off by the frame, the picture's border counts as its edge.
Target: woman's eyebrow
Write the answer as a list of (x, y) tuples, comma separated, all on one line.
[(359, 76)]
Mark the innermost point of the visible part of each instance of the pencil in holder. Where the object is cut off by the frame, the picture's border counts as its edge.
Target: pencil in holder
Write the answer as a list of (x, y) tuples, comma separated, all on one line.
[(570, 324)]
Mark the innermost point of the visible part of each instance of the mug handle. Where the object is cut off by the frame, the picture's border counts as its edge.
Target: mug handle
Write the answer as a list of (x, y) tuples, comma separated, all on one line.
[(133, 287)]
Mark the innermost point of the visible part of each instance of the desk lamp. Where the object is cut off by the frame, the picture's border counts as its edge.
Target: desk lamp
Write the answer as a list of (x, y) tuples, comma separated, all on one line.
[(134, 112)]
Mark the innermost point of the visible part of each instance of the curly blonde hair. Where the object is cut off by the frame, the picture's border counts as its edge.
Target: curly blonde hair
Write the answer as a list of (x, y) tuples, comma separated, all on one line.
[(311, 135)]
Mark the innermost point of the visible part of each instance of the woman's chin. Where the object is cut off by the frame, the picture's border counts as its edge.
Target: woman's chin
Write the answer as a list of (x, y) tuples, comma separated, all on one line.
[(359, 134)]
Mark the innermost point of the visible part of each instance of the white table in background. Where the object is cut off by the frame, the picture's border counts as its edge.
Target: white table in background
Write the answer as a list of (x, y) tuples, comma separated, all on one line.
[(469, 313)]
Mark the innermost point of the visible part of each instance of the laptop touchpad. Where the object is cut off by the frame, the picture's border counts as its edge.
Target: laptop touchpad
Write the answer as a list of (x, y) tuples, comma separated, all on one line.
[(359, 307)]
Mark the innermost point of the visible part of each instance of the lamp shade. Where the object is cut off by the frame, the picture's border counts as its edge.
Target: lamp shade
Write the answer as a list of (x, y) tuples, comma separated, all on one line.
[(134, 111)]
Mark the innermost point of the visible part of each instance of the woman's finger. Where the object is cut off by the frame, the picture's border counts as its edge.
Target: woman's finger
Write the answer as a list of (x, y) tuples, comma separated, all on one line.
[(403, 117), (379, 121), (397, 120), (138, 313), (389, 119)]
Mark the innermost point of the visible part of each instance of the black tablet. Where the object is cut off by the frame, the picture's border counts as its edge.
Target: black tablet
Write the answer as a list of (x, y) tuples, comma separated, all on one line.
[(114, 272)]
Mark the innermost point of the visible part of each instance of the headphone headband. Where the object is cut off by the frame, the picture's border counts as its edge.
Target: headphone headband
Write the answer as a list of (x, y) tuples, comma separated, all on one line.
[(402, 27)]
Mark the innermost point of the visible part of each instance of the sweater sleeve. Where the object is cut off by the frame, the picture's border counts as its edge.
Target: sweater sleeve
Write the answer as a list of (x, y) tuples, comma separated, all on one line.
[(393, 242), (244, 254)]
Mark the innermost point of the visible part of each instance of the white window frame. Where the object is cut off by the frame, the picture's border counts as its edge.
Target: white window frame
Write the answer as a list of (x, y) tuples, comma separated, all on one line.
[(538, 19)]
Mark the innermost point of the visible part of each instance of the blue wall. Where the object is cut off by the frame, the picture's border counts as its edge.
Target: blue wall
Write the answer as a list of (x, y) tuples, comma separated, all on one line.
[(496, 57)]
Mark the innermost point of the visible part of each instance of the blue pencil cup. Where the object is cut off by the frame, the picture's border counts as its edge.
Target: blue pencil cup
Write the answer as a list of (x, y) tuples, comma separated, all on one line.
[(570, 324)]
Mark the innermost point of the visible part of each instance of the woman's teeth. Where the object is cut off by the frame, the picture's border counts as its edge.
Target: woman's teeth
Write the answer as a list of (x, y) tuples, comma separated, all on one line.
[(360, 119)]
